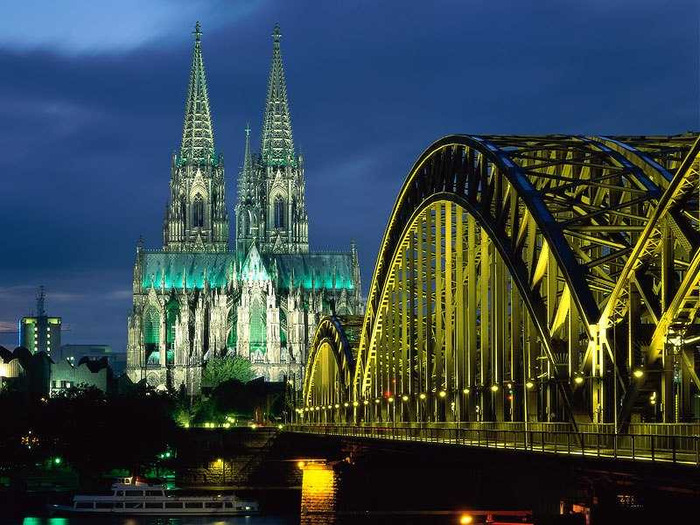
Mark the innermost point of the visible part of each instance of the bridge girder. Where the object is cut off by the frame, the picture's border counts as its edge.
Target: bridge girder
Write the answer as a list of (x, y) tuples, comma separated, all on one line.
[(541, 244)]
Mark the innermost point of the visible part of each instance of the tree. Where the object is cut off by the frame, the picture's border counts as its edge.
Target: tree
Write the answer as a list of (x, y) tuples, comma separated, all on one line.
[(221, 369)]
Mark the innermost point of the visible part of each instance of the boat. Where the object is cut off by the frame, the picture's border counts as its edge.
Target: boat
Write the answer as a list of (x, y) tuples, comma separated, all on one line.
[(137, 497)]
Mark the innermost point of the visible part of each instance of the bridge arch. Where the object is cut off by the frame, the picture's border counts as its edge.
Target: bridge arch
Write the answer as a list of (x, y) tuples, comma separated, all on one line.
[(528, 279), (558, 213), (330, 366)]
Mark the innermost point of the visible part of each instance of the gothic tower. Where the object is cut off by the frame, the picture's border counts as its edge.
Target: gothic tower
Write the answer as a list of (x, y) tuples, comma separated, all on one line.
[(271, 209), (196, 218)]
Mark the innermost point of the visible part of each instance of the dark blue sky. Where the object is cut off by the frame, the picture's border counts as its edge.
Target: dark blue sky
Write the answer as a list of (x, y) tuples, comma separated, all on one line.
[(92, 97)]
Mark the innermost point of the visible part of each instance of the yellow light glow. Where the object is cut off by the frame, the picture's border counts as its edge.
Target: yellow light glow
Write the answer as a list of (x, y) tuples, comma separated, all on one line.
[(317, 483), (355, 404), (346, 404), (494, 388), (404, 397), (529, 385), (422, 395), (336, 405), (466, 519), (301, 464), (638, 373), (391, 399), (365, 402), (578, 380), (465, 391), (376, 401), (442, 393)]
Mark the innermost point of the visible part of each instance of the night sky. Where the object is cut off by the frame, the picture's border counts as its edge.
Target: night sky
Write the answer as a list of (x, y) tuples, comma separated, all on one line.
[(92, 99)]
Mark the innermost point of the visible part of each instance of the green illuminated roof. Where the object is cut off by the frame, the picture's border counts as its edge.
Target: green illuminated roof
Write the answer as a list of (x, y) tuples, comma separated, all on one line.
[(318, 270)]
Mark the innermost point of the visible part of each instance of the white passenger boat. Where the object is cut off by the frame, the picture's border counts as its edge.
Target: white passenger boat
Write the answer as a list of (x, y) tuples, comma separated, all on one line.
[(136, 497)]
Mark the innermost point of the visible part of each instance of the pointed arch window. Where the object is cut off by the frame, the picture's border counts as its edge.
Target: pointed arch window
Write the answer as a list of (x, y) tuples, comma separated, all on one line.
[(245, 223), (172, 312), (280, 213), (198, 212), (232, 322), (151, 335), (258, 327)]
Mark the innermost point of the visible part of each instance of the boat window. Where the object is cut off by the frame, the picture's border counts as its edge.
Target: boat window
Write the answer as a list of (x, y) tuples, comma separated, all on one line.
[(119, 493), (154, 505), (193, 505), (118, 505), (173, 505), (83, 505), (103, 505), (215, 505), (138, 493), (228, 505), (154, 493), (133, 505)]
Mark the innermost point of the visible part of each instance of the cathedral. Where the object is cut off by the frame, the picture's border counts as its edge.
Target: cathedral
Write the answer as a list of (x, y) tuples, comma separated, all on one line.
[(198, 297)]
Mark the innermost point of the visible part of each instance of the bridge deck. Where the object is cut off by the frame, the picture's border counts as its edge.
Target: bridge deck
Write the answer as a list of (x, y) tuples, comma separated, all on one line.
[(680, 450)]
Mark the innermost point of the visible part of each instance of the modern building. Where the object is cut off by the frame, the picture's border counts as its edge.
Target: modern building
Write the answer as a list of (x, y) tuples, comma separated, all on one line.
[(41, 375), (76, 353), (196, 298), (40, 333), (86, 373)]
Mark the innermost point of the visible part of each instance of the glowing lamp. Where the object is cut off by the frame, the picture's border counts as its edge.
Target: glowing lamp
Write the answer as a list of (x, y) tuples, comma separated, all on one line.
[(422, 395), (355, 404), (301, 464), (494, 388), (529, 385), (391, 399), (404, 397), (578, 380), (465, 391), (442, 394), (638, 373), (466, 519)]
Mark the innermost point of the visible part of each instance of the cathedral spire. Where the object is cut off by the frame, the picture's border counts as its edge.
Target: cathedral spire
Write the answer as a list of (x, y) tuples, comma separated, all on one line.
[(247, 158), (277, 142), (198, 133)]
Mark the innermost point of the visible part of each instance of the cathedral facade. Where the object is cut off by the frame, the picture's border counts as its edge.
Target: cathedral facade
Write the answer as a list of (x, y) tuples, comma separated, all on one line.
[(261, 299)]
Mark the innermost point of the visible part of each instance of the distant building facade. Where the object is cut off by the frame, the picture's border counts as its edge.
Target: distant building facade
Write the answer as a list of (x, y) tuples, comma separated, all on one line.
[(195, 298), (39, 374), (76, 353), (40, 333)]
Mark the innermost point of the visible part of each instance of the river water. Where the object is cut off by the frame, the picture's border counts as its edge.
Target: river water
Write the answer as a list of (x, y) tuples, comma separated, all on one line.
[(327, 497)]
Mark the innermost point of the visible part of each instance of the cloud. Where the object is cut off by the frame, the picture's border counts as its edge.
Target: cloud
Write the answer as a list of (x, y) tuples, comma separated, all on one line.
[(8, 327), (119, 294), (92, 27)]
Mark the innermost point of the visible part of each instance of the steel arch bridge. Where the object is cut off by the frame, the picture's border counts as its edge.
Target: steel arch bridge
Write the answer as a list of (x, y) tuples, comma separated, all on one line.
[(527, 278)]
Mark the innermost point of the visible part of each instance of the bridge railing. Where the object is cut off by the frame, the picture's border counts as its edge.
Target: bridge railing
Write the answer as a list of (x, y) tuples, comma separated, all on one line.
[(676, 449)]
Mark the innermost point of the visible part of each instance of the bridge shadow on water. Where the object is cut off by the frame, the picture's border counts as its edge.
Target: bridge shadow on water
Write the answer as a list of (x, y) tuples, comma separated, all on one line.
[(346, 481)]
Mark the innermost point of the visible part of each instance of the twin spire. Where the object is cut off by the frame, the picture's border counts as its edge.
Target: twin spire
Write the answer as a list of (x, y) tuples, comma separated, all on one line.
[(277, 142), (198, 133)]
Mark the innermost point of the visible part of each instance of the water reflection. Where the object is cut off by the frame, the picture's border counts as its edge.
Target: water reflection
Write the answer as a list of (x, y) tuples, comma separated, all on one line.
[(319, 487)]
